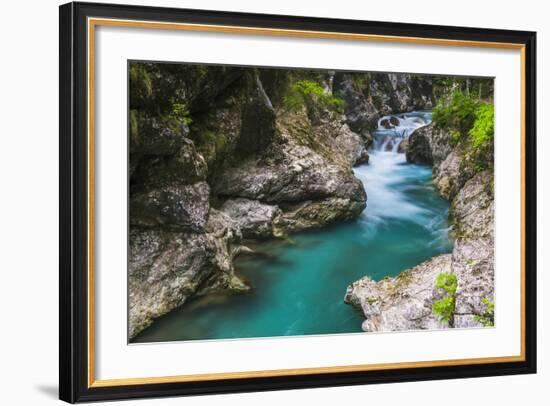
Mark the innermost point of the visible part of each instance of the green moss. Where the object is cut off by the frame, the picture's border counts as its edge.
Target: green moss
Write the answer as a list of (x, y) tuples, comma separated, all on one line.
[(372, 300), (403, 279), (141, 84), (210, 144), (134, 124)]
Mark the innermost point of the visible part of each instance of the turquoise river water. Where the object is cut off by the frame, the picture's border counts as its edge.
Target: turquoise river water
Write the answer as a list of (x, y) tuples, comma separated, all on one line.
[(299, 285)]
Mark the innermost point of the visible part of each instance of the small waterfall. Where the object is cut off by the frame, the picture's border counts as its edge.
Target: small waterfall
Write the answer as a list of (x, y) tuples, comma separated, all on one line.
[(393, 129), (396, 190)]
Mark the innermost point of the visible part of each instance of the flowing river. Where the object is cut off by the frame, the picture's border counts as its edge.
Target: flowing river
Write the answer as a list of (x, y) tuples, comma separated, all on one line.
[(299, 285)]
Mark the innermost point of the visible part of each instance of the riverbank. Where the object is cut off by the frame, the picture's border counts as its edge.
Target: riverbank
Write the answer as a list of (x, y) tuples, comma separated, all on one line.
[(420, 297)]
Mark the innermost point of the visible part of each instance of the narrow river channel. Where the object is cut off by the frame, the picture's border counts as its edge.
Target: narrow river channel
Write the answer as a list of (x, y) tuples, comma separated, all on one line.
[(299, 285)]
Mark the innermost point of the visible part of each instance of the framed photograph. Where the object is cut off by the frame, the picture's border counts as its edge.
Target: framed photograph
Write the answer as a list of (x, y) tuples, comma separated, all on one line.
[(256, 202)]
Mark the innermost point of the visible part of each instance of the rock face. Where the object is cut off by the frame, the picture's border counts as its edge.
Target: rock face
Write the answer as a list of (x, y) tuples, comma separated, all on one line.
[(401, 303), (305, 179), (216, 157), (168, 267), (419, 149), (405, 302), (255, 219), (370, 96), (473, 254)]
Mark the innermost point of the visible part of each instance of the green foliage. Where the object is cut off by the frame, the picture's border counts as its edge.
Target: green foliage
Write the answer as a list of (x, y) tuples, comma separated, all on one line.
[(180, 112), (483, 130), (447, 281), (308, 93), (456, 137), (445, 307), (482, 88), (359, 80), (469, 122), (488, 317), (459, 113)]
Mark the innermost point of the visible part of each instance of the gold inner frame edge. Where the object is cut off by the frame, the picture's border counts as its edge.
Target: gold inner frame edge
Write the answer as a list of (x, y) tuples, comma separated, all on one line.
[(94, 22)]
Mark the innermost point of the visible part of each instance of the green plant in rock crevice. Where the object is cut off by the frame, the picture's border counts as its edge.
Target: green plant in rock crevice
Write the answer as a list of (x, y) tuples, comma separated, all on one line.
[(487, 319), (444, 308), (180, 112), (309, 94)]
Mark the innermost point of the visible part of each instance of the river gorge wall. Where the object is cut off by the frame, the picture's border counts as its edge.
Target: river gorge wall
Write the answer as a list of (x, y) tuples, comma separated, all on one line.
[(406, 302), (220, 155)]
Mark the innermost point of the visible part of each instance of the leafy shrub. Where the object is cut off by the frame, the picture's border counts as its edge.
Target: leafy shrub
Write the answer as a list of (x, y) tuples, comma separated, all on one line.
[(469, 122), (447, 281), (487, 318), (308, 93), (444, 308), (483, 129), (459, 113), (180, 113)]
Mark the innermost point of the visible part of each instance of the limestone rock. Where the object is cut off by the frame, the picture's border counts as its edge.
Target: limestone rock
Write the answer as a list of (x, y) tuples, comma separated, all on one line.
[(166, 268), (401, 303), (255, 219), (405, 302), (174, 206)]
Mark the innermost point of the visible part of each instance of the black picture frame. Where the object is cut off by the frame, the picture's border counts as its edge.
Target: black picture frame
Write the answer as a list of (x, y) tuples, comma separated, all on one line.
[(74, 385)]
